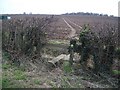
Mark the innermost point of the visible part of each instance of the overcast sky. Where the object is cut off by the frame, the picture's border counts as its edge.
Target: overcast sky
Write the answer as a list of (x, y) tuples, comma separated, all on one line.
[(109, 7)]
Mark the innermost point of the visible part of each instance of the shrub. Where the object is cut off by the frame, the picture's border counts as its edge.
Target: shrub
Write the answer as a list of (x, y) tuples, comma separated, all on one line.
[(19, 75), (101, 45), (24, 36)]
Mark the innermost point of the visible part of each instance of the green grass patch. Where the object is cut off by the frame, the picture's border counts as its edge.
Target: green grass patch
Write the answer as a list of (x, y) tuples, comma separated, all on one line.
[(19, 75), (116, 72), (5, 82), (8, 83), (36, 81), (67, 67), (10, 76), (11, 73), (58, 42), (5, 55), (6, 66)]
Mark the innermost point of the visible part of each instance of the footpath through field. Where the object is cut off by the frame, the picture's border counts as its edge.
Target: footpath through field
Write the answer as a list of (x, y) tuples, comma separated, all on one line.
[(75, 24), (73, 31)]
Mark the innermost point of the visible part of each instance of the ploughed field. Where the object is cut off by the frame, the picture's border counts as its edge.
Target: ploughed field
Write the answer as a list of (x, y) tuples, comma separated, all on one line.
[(58, 29), (95, 22)]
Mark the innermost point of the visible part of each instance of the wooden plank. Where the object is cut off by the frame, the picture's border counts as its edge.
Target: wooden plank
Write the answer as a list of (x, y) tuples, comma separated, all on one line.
[(58, 58)]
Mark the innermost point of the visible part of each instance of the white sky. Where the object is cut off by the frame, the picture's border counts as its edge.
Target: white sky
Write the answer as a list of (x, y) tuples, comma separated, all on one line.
[(109, 7)]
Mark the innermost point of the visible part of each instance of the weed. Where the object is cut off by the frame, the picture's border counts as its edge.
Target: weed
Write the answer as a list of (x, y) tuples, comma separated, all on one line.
[(5, 55), (67, 67), (37, 81), (19, 75), (5, 82), (6, 66), (116, 72)]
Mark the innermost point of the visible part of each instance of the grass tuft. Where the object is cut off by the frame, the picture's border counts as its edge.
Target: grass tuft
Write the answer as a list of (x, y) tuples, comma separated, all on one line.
[(19, 75), (116, 72), (37, 81), (67, 67)]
